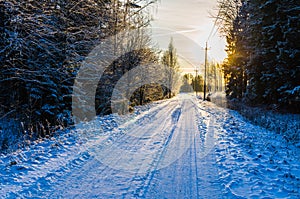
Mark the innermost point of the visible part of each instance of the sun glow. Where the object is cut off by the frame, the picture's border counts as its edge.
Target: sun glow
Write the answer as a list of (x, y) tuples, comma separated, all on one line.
[(191, 18)]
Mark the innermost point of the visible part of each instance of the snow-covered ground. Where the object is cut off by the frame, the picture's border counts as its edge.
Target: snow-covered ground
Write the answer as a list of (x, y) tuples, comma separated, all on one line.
[(178, 148)]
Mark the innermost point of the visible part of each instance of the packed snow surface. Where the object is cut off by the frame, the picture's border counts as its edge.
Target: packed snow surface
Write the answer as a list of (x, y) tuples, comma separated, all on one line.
[(177, 148)]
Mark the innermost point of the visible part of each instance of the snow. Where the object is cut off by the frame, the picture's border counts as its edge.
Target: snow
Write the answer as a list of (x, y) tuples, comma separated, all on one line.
[(177, 148), (254, 162)]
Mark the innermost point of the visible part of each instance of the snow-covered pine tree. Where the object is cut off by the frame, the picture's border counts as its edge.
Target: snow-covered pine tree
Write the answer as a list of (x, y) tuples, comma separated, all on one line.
[(273, 72), (262, 66)]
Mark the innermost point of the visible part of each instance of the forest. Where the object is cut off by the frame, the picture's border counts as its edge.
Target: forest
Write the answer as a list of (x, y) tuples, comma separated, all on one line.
[(262, 67), (43, 44)]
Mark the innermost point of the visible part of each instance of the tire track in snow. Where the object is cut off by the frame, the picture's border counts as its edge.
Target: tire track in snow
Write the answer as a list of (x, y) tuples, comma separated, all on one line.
[(196, 163), (105, 170), (143, 187), (172, 180), (141, 191), (130, 140), (194, 174), (53, 169)]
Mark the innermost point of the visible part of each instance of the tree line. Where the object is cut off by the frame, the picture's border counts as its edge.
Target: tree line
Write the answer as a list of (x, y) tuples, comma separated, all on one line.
[(42, 45), (214, 80), (262, 66)]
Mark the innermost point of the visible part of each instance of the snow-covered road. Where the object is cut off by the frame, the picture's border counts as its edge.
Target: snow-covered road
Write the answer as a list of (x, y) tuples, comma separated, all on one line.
[(159, 155), (178, 148)]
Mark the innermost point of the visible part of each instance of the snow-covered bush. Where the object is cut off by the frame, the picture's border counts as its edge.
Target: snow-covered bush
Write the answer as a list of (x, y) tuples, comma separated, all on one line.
[(10, 134), (286, 124)]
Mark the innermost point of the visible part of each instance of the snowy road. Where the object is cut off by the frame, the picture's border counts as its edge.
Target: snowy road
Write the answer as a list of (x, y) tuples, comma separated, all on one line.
[(157, 156), (179, 148)]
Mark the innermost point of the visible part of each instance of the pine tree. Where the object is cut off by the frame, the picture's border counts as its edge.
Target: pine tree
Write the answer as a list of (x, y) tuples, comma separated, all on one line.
[(170, 61), (261, 66)]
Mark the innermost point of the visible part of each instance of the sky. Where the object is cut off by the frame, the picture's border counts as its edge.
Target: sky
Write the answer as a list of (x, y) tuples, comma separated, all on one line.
[(189, 22)]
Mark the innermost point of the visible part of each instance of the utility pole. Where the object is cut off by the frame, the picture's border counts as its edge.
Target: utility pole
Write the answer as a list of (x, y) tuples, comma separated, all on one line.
[(195, 82), (171, 67), (205, 66)]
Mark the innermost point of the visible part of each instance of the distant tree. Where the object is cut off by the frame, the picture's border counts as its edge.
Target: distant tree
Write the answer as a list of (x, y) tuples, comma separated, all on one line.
[(198, 83), (170, 60), (214, 77), (187, 83)]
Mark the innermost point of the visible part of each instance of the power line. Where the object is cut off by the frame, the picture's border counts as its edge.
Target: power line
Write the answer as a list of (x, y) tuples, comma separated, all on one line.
[(213, 28), (215, 23)]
